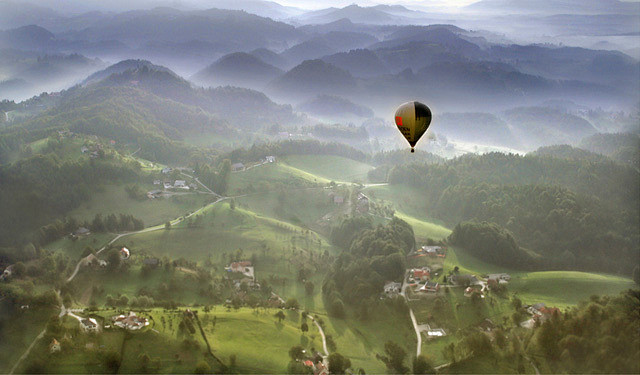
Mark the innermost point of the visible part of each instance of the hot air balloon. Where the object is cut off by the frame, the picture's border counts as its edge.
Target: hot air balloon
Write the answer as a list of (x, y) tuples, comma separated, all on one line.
[(413, 119)]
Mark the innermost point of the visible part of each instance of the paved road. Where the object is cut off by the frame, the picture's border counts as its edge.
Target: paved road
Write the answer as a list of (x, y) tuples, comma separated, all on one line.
[(416, 327), (64, 310), (324, 338)]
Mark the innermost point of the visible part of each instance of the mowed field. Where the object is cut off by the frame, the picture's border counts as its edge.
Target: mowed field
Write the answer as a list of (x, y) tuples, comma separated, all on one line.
[(113, 199), (258, 340), (554, 288), (335, 168), (269, 176)]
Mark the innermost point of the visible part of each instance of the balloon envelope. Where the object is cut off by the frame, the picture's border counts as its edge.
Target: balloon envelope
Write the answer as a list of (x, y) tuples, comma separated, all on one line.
[(413, 119)]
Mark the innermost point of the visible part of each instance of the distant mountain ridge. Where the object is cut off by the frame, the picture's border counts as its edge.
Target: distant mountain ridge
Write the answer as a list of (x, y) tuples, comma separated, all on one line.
[(238, 68)]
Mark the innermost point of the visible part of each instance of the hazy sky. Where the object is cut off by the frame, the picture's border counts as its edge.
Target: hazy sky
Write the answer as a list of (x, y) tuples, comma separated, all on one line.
[(341, 3)]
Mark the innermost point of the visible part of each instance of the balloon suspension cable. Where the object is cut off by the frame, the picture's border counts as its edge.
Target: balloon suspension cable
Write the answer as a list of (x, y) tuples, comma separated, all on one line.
[(413, 150)]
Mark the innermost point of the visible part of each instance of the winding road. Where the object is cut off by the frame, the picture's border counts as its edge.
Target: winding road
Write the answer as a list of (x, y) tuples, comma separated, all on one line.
[(64, 311), (416, 327)]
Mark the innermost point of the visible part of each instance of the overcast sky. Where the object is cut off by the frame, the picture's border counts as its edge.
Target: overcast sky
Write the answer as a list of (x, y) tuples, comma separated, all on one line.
[(341, 3)]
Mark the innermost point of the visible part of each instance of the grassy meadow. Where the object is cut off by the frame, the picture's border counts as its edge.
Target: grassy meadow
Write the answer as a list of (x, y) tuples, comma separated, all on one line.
[(335, 168)]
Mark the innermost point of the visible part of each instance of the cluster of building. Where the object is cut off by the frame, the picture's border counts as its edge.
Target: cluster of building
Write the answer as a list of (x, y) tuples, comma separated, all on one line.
[(170, 185), (318, 368), (421, 279), (237, 167), (131, 321), (539, 313), (430, 251), (93, 150), (246, 269), (89, 325), (6, 274)]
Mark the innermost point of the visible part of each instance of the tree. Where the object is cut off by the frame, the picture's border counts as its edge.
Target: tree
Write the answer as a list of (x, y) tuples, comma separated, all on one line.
[(394, 357), (202, 368), (280, 315), (338, 364), (422, 365), (296, 352), (111, 361), (167, 225), (292, 303), (309, 287), (304, 327), (636, 275), (113, 260)]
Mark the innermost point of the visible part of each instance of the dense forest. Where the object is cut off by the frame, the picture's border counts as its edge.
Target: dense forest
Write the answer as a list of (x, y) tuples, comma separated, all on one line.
[(374, 256), (598, 336), (42, 188), (489, 242), (575, 212)]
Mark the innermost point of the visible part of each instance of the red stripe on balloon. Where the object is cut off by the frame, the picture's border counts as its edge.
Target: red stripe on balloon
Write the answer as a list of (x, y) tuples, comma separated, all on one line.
[(399, 120)]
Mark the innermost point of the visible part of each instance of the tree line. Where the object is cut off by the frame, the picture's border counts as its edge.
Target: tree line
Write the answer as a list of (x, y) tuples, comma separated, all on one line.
[(576, 213)]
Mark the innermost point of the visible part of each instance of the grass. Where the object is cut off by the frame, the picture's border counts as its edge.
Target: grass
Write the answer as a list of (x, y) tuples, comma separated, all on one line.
[(74, 248), (19, 329), (360, 341), (565, 288), (554, 288), (285, 205), (259, 342), (424, 229), (269, 177), (336, 168), (114, 199)]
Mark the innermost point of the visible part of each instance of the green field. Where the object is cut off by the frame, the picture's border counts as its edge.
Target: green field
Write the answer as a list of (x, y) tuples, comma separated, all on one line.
[(565, 288), (270, 177), (425, 229), (555, 288), (74, 248), (19, 329), (114, 199), (335, 168), (360, 341), (259, 342)]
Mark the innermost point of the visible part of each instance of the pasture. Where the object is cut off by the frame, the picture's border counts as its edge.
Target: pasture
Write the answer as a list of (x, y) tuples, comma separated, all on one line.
[(330, 167)]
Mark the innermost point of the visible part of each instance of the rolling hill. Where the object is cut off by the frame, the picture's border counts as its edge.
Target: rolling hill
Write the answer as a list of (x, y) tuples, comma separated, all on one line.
[(237, 69)]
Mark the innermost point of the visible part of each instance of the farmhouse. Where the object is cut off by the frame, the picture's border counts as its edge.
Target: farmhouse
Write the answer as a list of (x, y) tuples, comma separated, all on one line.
[(243, 267), (180, 184), (270, 159), (499, 278), (167, 170), (154, 194), (7, 273), (392, 288), (89, 325), (363, 203), (131, 322), (429, 287), (433, 251), (54, 346), (237, 167), (423, 273), (92, 260)]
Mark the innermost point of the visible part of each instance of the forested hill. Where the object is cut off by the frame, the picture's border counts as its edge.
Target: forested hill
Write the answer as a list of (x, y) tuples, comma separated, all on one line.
[(575, 213), (124, 114)]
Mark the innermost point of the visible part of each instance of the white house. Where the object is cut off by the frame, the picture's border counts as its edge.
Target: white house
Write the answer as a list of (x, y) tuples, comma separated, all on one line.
[(180, 184), (89, 325), (392, 288)]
